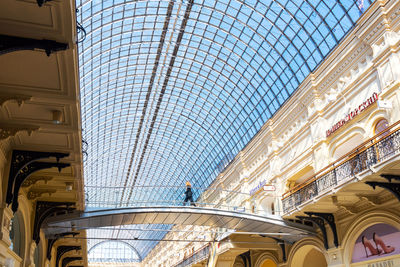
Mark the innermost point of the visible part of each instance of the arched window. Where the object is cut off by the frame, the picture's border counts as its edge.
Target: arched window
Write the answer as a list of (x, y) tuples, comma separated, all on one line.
[(381, 126), (348, 145)]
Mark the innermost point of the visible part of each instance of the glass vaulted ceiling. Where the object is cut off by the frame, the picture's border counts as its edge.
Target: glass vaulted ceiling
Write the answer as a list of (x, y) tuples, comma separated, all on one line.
[(173, 90)]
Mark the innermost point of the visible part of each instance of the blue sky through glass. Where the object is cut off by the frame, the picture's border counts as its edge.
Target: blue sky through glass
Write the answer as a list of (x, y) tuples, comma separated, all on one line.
[(173, 90)]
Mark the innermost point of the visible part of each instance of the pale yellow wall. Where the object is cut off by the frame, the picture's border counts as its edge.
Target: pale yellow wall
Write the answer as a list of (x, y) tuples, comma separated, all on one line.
[(314, 258), (268, 263)]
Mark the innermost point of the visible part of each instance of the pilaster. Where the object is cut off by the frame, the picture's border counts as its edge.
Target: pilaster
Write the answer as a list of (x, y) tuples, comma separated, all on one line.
[(335, 257), (7, 215)]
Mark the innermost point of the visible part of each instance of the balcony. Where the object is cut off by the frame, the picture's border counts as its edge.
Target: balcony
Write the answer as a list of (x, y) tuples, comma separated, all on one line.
[(196, 257), (365, 156)]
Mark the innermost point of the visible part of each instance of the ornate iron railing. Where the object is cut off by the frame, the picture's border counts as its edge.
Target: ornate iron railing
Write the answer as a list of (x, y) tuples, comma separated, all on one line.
[(196, 257), (361, 158)]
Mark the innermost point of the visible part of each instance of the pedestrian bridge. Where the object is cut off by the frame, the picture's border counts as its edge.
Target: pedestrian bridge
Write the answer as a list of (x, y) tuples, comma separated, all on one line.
[(180, 215)]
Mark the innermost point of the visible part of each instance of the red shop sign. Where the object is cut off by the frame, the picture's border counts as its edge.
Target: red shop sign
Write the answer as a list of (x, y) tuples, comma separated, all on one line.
[(363, 106)]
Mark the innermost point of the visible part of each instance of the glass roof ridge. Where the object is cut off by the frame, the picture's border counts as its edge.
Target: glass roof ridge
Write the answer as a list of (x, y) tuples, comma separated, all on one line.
[(151, 84), (164, 86)]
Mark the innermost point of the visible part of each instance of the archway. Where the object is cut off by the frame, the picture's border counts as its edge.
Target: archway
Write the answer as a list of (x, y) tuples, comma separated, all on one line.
[(348, 145), (113, 251), (267, 205), (308, 256)]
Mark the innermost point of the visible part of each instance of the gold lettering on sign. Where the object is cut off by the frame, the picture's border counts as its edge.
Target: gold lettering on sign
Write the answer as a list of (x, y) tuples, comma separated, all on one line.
[(387, 263)]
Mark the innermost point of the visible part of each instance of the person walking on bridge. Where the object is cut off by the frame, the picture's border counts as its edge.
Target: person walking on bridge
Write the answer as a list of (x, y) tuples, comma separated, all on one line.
[(189, 194)]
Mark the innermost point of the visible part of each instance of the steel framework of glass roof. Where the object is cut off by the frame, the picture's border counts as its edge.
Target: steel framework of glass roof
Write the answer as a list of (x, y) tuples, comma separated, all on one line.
[(173, 90)]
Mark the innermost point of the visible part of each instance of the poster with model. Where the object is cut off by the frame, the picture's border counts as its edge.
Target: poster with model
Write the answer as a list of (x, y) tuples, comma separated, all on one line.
[(375, 242)]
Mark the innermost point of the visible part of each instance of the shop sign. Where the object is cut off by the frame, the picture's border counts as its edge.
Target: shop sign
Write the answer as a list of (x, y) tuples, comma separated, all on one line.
[(259, 185), (352, 114), (269, 187), (384, 263), (388, 263)]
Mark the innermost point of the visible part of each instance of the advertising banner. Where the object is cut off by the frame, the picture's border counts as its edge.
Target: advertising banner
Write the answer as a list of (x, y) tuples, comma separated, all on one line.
[(379, 245)]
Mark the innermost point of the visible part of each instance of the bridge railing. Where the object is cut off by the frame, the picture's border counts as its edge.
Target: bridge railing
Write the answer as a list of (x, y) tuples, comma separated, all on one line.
[(228, 200), (199, 255), (364, 156), (147, 198), (165, 203)]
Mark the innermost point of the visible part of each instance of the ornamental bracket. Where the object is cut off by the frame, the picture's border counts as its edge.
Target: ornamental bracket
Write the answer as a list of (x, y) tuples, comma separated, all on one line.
[(320, 223), (394, 188), (67, 260), (45, 209), (51, 241), (21, 159), (10, 44), (330, 219), (24, 173), (41, 2), (61, 250), (389, 177)]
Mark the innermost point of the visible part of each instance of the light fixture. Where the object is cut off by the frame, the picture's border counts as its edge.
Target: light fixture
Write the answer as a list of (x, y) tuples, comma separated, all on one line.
[(57, 116), (68, 187)]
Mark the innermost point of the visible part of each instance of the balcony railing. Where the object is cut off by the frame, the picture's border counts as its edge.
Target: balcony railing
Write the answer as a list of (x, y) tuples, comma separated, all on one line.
[(196, 257), (364, 156)]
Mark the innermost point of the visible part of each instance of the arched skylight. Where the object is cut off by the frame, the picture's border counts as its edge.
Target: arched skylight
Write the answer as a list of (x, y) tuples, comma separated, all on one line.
[(173, 90), (107, 251)]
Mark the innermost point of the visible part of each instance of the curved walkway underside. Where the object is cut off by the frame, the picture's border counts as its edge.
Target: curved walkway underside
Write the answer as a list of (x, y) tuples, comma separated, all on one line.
[(238, 221)]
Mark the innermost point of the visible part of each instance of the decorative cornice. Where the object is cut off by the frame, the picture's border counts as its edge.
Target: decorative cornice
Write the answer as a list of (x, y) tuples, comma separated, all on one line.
[(34, 193), (31, 180), (20, 99), (338, 71), (11, 130)]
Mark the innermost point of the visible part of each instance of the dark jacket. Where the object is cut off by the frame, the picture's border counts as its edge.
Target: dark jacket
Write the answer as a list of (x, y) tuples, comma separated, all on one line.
[(188, 192)]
